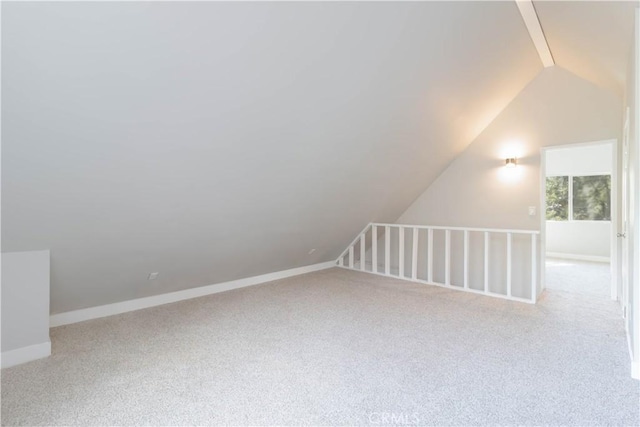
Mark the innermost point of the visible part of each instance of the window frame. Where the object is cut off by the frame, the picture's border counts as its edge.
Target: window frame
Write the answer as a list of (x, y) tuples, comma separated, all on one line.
[(570, 198)]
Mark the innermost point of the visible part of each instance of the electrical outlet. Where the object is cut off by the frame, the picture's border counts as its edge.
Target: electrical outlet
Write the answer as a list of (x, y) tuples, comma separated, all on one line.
[(153, 276), (532, 211)]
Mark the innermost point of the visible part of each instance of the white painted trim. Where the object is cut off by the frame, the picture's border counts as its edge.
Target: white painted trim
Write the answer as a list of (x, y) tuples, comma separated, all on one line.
[(634, 281), (581, 144), (615, 223), (430, 280), (578, 257), (570, 198), (534, 267), (25, 354), (451, 287), (440, 227), (531, 21), (76, 316), (635, 366), (542, 175), (363, 232), (582, 221), (614, 210)]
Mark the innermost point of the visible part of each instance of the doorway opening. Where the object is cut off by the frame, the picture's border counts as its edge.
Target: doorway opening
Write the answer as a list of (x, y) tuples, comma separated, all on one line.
[(579, 194)]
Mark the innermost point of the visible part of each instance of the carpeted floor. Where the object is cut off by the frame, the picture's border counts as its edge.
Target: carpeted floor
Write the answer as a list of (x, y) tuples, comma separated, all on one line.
[(335, 347), (593, 278)]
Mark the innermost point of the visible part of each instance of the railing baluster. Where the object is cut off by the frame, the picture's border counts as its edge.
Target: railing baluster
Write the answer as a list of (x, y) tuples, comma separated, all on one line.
[(414, 255), (486, 261), (351, 257), (430, 255), (363, 251), (509, 264), (401, 251), (374, 248), (466, 259), (352, 250), (387, 250), (534, 268), (447, 257)]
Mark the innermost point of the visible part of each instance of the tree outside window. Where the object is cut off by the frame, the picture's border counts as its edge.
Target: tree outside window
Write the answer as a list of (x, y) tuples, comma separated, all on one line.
[(590, 198), (557, 198)]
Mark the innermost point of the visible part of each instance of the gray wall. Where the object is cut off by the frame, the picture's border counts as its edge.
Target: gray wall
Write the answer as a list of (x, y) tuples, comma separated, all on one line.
[(211, 141), (476, 190), (25, 299)]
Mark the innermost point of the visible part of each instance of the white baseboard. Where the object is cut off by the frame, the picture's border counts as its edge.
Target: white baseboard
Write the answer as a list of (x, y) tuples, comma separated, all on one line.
[(76, 316), (25, 354), (635, 366), (593, 258)]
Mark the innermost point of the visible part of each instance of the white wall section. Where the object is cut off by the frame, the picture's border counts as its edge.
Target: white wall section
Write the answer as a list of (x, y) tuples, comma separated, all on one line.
[(589, 238), (25, 307), (213, 141), (592, 159)]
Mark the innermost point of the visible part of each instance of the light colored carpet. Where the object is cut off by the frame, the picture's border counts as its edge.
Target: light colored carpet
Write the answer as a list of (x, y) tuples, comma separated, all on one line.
[(331, 348), (593, 278)]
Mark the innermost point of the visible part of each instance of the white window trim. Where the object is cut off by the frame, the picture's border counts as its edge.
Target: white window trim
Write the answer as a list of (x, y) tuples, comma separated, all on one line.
[(570, 199)]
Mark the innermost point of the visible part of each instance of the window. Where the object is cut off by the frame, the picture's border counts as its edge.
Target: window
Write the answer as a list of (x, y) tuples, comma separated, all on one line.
[(590, 198), (557, 198)]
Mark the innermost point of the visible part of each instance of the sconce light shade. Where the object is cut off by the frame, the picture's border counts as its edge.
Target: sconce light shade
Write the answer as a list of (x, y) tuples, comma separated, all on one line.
[(511, 162)]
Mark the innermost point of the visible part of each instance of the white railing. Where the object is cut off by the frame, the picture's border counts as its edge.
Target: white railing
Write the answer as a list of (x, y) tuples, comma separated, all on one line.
[(495, 262)]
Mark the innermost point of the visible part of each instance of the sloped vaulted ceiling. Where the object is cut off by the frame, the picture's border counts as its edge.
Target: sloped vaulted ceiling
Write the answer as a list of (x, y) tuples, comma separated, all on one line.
[(592, 39), (214, 141)]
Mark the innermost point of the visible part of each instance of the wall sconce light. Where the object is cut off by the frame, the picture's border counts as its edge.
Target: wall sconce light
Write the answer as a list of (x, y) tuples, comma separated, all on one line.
[(510, 162)]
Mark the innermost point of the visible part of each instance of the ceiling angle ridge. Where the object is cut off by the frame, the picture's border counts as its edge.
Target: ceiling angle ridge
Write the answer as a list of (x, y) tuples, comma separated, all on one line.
[(532, 22)]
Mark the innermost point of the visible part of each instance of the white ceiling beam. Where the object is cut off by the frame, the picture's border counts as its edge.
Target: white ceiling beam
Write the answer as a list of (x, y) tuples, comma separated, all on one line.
[(532, 22)]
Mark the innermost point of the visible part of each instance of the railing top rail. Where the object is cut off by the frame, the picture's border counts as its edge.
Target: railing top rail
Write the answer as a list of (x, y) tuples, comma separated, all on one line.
[(437, 227)]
